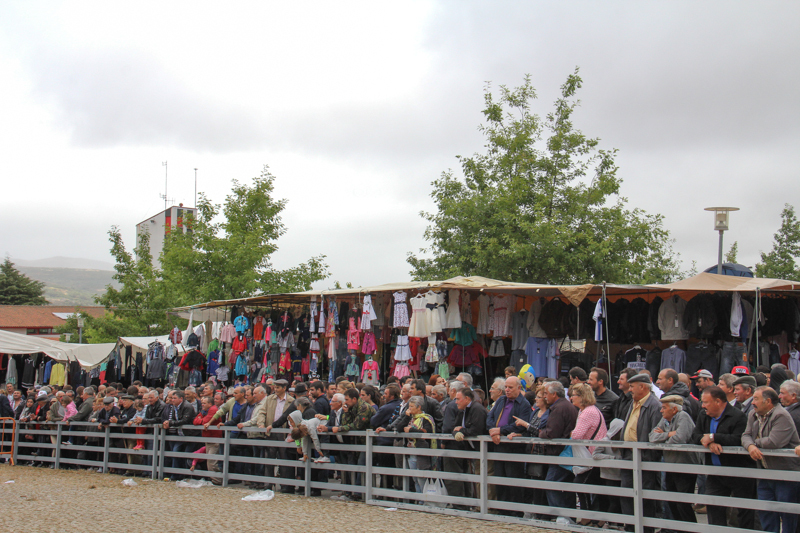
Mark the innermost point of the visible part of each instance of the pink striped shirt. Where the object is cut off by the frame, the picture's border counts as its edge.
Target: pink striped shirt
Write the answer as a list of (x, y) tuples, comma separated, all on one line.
[(586, 424)]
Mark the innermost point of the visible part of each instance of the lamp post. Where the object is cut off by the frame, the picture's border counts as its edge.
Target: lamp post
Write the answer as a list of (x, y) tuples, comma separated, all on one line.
[(80, 330), (721, 220)]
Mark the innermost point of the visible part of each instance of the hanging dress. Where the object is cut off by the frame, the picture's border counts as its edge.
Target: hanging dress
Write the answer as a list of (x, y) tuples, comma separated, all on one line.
[(440, 302), (400, 310), (369, 372), (483, 315), (402, 352), (453, 314), (418, 325), (313, 315), (369, 346), (353, 335), (501, 317), (434, 317), (368, 313)]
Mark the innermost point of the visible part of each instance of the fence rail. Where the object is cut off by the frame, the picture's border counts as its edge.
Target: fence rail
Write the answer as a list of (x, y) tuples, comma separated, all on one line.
[(383, 474)]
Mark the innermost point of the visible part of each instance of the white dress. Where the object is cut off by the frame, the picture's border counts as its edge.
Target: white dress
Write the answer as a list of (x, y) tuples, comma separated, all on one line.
[(402, 352), (368, 313), (483, 315), (432, 310), (501, 318), (453, 314), (466, 308), (440, 299), (400, 310), (418, 325)]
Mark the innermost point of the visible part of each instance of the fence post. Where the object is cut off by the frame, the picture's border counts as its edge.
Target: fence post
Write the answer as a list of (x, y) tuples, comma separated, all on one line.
[(155, 447), (638, 502), (484, 486), (225, 461), (15, 436), (106, 446), (162, 444), (368, 461), (307, 473), (58, 444)]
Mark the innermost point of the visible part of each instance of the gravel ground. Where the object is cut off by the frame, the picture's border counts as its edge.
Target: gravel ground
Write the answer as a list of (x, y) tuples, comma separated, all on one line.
[(43, 501)]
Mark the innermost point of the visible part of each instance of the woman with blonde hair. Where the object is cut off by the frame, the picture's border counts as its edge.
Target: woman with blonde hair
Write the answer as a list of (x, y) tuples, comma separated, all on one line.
[(590, 426)]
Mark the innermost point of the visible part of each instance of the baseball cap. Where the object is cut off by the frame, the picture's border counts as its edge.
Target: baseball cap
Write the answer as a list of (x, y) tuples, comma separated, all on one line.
[(703, 374), (740, 370)]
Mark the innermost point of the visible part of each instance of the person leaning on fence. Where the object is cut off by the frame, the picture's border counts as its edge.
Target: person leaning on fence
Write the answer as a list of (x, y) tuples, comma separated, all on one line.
[(257, 419), (500, 423), (470, 422), (382, 418), (419, 422), (175, 416), (790, 400), (669, 382), (590, 425), (560, 423), (676, 427), (721, 424), (642, 417), (623, 403), (770, 427)]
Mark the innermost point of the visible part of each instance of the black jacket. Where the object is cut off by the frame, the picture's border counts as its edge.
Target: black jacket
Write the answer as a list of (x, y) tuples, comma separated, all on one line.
[(184, 417), (560, 424), (322, 405), (5, 407), (622, 405), (607, 403), (449, 416), (103, 415), (690, 405), (729, 433), (474, 424), (153, 414)]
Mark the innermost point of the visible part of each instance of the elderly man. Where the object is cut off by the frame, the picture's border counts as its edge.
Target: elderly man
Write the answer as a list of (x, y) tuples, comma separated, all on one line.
[(743, 389), (642, 418), (606, 399), (277, 408), (257, 420), (720, 424), (790, 390), (676, 427), (669, 382), (770, 427), (725, 383), (560, 424), (153, 414), (83, 415), (465, 378), (497, 390), (703, 379), (500, 422)]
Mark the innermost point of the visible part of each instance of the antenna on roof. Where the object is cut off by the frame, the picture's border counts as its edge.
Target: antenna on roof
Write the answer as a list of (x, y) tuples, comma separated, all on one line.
[(166, 176)]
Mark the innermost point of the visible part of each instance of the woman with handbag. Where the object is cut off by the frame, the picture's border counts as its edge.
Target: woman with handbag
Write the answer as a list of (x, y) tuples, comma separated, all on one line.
[(535, 470), (590, 426)]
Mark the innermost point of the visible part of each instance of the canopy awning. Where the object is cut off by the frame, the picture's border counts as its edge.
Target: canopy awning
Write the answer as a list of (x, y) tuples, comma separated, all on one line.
[(703, 282), (88, 355)]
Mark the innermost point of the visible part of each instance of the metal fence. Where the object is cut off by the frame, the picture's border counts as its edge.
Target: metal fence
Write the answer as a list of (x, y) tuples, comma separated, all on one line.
[(380, 474)]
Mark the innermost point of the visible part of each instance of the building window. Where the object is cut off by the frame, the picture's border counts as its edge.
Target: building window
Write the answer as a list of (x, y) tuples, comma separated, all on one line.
[(31, 331), (43, 331)]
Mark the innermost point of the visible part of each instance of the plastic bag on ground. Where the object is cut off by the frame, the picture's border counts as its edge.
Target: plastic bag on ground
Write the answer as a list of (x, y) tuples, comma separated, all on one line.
[(129, 482), (264, 495), (193, 484)]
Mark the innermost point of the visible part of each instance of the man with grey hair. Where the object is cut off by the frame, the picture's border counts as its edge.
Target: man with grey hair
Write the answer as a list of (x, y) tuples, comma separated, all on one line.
[(743, 389), (560, 424), (725, 383), (465, 378), (497, 389), (790, 390), (257, 419), (439, 393)]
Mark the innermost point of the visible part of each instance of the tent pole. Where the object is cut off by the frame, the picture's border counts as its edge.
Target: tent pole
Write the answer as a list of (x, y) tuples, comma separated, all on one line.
[(757, 313), (605, 314)]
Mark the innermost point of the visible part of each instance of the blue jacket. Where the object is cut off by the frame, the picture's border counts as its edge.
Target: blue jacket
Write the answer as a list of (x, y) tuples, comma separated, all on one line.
[(521, 409)]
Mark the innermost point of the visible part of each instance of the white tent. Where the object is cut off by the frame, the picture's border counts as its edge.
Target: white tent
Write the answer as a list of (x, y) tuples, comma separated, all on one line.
[(88, 355), (143, 342)]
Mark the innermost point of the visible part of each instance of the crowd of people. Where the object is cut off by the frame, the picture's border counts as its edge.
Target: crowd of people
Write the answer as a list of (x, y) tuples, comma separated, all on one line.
[(755, 412)]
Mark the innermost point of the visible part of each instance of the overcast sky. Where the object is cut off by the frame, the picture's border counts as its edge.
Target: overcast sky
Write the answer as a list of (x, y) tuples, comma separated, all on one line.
[(357, 107)]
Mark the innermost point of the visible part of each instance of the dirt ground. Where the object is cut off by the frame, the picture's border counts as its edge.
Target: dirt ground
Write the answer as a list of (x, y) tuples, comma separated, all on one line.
[(41, 500)]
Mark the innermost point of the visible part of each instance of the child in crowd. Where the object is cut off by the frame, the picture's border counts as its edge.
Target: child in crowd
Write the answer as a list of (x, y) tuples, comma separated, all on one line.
[(140, 412)]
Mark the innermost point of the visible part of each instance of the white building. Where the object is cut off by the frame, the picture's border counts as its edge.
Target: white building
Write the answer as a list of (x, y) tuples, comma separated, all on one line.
[(159, 225)]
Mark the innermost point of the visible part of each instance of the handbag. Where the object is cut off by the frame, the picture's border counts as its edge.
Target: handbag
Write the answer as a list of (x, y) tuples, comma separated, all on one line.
[(579, 451), (434, 487)]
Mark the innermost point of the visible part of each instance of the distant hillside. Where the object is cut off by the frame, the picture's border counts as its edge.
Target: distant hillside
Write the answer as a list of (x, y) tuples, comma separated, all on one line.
[(64, 262), (70, 286)]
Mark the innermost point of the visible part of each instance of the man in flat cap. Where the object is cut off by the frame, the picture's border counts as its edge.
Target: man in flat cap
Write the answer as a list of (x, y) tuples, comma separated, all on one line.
[(743, 389), (676, 427), (642, 418)]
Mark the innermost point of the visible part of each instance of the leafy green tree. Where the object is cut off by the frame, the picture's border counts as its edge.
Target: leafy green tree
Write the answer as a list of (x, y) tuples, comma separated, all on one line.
[(140, 304), (18, 289), (95, 330), (730, 257), (542, 204), (229, 256), (781, 261)]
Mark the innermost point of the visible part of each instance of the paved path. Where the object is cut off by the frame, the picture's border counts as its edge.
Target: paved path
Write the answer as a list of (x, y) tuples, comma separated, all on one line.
[(42, 500)]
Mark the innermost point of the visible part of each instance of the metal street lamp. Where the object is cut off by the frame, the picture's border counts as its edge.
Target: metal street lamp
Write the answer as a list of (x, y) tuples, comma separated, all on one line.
[(721, 224)]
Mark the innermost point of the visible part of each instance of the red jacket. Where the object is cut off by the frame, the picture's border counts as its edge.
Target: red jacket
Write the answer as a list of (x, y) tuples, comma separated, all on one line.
[(201, 419)]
